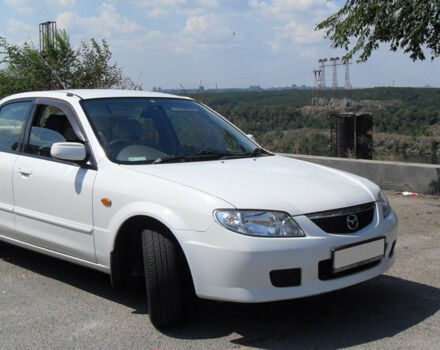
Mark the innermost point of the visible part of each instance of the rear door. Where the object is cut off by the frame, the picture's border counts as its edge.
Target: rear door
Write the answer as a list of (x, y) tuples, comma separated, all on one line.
[(53, 198), (13, 117)]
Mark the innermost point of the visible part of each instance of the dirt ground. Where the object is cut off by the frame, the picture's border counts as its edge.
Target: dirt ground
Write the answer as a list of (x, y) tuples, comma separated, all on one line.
[(50, 304)]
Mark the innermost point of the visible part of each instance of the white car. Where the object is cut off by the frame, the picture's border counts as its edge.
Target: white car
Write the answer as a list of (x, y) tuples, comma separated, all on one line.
[(147, 185)]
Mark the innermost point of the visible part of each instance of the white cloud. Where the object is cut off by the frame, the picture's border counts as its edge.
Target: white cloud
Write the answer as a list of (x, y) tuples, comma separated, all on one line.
[(163, 8), (202, 32), (309, 53), (174, 3), (156, 35), (293, 22), (61, 3), (208, 3), (65, 19), (302, 33), (157, 12), (233, 42), (197, 25), (160, 3), (21, 6), (15, 26), (286, 9), (108, 22), (30, 6), (199, 31)]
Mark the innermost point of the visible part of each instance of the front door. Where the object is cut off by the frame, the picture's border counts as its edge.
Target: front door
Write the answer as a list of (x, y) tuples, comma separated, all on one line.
[(12, 120), (53, 199)]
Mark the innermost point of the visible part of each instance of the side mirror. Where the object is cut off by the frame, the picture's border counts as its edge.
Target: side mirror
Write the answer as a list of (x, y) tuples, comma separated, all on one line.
[(251, 137), (70, 151)]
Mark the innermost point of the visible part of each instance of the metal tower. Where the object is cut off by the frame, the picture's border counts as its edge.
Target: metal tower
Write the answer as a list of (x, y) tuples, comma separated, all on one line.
[(48, 31), (347, 85), (334, 61), (317, 74), (322, 68)]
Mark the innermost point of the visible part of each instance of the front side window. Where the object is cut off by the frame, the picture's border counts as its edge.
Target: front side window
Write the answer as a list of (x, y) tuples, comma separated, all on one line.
[(12, 119), (50, 125), (150, 130)]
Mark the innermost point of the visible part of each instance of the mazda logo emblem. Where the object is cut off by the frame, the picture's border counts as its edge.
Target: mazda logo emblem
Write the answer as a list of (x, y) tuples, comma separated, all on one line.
[(352, 222)]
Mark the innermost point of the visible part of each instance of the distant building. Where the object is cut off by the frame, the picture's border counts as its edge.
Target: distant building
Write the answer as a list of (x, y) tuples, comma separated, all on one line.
[(254, 88)]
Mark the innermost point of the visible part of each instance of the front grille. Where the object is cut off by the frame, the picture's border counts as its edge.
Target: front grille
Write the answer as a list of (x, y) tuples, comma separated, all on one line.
[(345, 220)]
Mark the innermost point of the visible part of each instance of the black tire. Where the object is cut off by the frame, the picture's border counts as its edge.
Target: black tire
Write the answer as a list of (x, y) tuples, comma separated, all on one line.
[(163, 277)]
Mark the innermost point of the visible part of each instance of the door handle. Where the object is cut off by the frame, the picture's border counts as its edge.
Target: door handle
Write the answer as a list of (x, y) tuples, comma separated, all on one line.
[(25, 170)]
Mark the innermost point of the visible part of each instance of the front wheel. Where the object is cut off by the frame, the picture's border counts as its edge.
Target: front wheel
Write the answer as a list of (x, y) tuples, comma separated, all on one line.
[(163, 277)]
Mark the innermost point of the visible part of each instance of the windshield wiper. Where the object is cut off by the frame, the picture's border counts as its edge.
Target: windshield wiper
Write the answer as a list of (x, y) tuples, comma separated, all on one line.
[(195, 156), (207, 154)]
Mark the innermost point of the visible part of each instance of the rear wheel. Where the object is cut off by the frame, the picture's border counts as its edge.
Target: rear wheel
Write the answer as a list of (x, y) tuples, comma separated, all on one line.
[(164, 278)]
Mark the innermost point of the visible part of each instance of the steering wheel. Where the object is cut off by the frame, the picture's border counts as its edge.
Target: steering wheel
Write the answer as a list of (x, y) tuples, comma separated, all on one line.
[(115, 146), (117, 142)]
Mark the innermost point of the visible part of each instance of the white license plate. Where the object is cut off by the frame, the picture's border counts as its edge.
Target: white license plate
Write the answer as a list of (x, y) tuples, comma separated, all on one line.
[(359, 254)]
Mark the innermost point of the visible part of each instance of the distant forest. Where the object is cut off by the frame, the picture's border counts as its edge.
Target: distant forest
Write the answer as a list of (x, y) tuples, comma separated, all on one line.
[(281, 121)]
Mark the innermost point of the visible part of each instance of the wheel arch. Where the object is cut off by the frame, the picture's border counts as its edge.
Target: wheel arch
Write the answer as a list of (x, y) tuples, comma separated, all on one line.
[(126, 260)]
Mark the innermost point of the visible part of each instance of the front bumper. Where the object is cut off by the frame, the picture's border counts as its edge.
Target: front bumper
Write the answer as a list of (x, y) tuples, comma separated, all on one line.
[(232, 267)]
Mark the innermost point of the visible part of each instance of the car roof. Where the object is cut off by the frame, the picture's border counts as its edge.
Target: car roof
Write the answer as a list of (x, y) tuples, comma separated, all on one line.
[(91, 94)]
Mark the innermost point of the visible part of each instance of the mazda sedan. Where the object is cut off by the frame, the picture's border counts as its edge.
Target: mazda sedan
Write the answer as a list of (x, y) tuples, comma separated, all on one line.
[(160, 188)]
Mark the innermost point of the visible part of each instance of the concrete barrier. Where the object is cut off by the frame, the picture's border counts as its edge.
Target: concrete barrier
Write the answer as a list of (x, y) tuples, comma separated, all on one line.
[(422, 178)]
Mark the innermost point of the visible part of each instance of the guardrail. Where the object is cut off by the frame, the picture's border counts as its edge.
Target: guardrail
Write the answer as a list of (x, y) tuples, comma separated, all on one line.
[(399, 176)]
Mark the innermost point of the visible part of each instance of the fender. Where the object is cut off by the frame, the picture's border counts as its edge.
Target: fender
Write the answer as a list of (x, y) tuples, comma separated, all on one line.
[(105, 237)]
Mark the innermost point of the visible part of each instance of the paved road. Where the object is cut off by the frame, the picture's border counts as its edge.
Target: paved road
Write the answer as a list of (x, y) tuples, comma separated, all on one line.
[(50, 304)]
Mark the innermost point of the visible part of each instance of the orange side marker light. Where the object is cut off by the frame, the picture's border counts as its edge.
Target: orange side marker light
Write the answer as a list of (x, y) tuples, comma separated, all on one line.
[(107, 202)]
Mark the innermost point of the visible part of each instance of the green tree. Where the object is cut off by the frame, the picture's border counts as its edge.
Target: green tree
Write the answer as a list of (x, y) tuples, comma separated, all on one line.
[(410, 25), (2, 43), (59, 66)]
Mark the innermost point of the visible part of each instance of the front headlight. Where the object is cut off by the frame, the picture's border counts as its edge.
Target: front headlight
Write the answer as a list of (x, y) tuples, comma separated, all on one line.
[(385, 205), (259, 223)]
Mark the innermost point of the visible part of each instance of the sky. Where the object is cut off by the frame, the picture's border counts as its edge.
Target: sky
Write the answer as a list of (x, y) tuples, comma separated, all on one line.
[(223, 43)]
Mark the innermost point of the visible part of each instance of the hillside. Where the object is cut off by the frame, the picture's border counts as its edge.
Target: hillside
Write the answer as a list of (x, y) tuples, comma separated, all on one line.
[(284, 121)]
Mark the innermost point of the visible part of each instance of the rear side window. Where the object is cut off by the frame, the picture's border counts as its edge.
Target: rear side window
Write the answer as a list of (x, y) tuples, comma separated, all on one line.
[(12, 119)]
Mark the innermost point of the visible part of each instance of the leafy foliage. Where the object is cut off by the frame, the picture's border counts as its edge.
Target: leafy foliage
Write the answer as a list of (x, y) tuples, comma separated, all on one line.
[(2, 43), (59, 67), (408, 111), (407, 24), (279, 122)]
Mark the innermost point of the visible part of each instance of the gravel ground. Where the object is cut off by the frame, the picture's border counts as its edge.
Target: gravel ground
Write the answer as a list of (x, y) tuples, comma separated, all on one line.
[(49, 304)]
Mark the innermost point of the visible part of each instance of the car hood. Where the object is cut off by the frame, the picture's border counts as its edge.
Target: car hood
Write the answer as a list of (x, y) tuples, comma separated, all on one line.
[(273, 182)]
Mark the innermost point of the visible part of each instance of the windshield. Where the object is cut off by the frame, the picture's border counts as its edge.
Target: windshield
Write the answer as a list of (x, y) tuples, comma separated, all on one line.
[(154, 130)]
